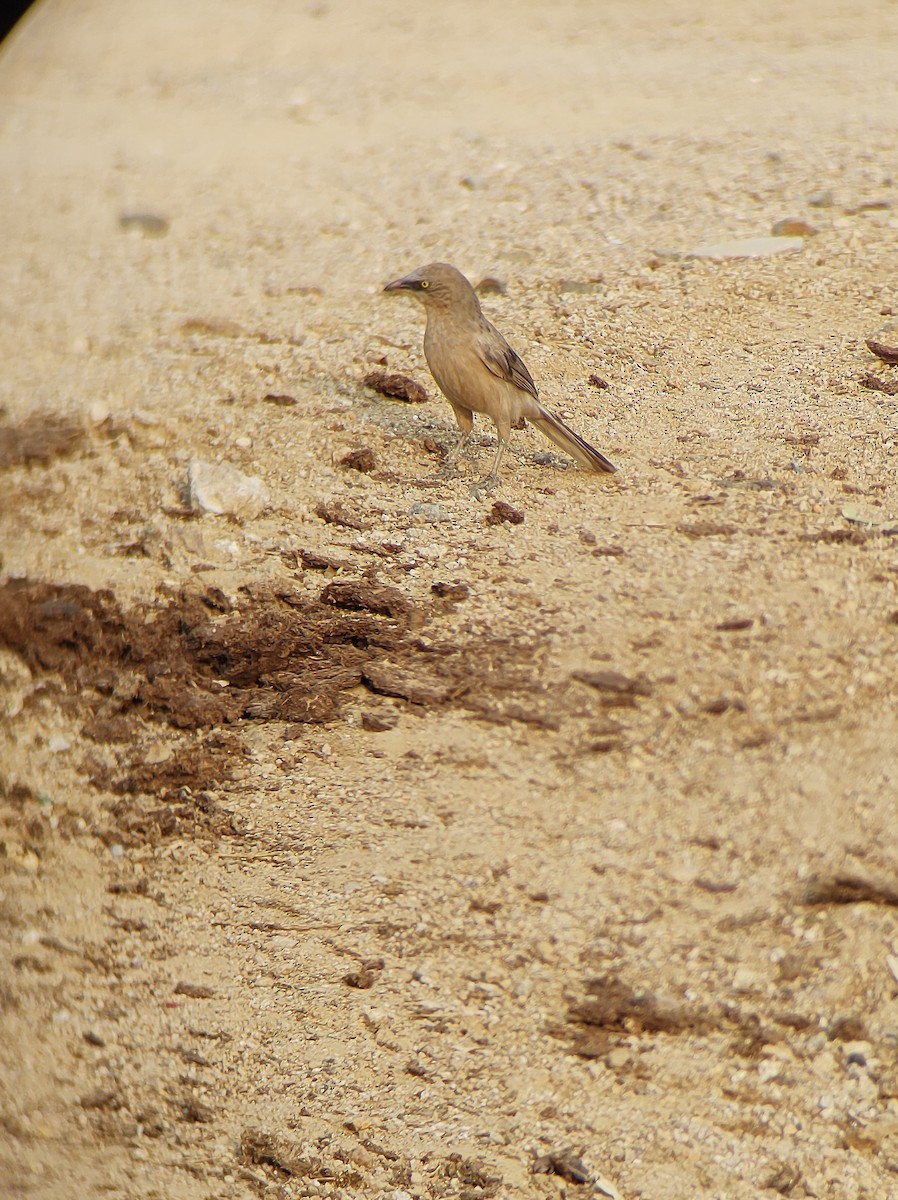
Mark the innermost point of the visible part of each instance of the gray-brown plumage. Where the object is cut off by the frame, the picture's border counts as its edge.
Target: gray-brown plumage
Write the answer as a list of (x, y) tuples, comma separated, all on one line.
[(478, 372)]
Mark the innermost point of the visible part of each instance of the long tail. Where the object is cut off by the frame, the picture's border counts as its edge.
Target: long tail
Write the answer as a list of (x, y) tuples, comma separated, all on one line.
[(571, 443)]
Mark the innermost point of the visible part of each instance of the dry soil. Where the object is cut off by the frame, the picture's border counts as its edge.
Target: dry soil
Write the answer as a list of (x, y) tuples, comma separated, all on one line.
[(379, 841)]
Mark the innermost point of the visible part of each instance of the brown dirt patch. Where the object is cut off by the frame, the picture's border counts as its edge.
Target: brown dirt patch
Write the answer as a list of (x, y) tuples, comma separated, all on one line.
[(39, 438), (279, 657), (192, 663)]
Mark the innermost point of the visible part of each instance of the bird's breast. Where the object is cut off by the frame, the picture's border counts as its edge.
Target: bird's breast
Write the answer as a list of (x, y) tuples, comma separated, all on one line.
[(452, 356)]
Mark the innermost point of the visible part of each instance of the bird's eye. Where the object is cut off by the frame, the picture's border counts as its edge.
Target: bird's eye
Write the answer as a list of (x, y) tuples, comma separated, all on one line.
[(425, 283)]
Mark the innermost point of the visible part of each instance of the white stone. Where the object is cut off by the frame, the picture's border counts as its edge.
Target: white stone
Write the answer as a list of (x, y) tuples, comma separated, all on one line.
[(746, 980), (223, 489)]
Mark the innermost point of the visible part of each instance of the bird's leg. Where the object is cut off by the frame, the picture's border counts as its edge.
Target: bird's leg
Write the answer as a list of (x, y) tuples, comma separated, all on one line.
[(465, 420), (486, 485), (450, 466)]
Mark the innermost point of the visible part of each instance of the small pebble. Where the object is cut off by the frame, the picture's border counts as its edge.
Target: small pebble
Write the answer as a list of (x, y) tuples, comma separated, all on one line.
[(434, 513), (793, 227), (144, 224)]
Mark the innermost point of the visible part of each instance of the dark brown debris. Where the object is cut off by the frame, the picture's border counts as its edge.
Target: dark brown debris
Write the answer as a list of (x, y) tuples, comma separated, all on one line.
[(810, 716), (56, 626), (740, 480), (707, 529), (363, 595), (378, 549), (146, 224), (180, 677), (603, 745), (564, 1163), (473, 1174), (280, 657), (271, 1150), (216, 600), (418, 686), (717, 887), (722, 704), (837, 537), (335, 512), (398, 386), (280, 398), (611, 1009), (197, 991), (193, 1056), (791, 967), (848, 888), (597, 381), (612, 1004), (761, 737), (102, 1098), (379, 722), (314, 560), (138, 820), (888, 354), (193, 1109), (880, 205), (362, 459), (302, 705), (40, 437), (847, 1028), (363, 978), (614, 682), (503, 512), (889, 387), (735, 624), (453, 592)]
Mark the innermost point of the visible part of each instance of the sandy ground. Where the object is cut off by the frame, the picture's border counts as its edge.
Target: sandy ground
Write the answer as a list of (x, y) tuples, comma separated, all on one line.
[(367, 844)]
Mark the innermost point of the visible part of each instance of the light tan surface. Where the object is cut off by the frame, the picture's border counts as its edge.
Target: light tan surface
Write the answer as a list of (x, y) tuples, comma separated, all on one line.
[(304, 154)]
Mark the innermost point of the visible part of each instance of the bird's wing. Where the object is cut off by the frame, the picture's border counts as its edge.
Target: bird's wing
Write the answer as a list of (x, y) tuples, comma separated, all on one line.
[(500, 360)]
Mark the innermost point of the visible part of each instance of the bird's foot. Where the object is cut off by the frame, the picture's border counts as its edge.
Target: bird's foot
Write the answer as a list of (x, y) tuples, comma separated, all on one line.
[(483, 487)]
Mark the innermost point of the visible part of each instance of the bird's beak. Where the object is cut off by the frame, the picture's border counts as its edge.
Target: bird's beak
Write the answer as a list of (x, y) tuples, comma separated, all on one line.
[(398, 285)]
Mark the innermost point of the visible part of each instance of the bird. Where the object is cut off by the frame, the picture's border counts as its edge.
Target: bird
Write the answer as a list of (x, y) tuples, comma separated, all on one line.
[(478, 372)]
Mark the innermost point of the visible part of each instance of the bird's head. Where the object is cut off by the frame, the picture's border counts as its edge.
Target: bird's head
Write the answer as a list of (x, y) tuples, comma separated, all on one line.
[(438, 285)]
